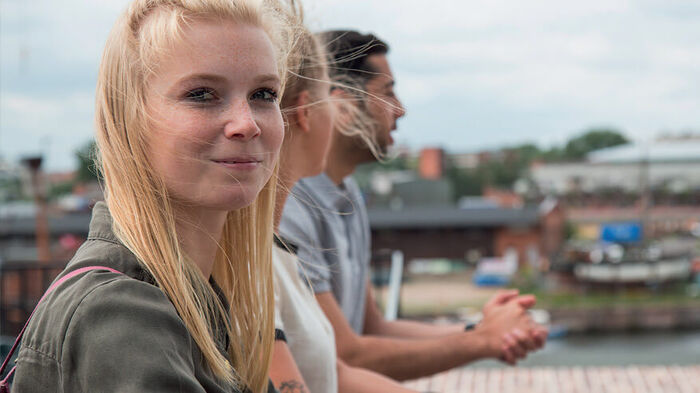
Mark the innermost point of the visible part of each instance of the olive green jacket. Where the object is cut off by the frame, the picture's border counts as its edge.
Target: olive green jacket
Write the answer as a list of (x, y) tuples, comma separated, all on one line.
[(110, 332)]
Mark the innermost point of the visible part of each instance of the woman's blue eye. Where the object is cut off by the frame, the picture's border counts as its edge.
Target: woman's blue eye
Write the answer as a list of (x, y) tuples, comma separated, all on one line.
[(265, 95), (200, 95)]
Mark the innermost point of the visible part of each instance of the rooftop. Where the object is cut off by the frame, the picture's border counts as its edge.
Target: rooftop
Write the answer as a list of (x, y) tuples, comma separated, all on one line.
[(658, 151), (26, 226), (448, 216)]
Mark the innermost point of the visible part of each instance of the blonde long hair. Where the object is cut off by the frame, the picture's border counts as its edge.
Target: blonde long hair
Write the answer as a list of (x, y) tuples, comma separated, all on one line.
[(140, 206), (308, 62)]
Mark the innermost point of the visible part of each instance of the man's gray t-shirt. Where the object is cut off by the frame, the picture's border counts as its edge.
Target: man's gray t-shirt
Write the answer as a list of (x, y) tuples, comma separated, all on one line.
[(329, 225)]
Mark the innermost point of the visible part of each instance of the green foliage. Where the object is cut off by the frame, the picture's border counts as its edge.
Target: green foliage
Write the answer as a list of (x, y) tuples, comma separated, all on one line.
[(569, 230), (464, 182), (553, 155), (60, 189), (504, 166), (526, 152), (10, 188), (673, 295), (511, 163), (594, 139), (498, 173), (87, 171)]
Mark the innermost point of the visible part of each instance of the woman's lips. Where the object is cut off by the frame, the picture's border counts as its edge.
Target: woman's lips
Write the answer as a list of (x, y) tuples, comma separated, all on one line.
[(239, 163)]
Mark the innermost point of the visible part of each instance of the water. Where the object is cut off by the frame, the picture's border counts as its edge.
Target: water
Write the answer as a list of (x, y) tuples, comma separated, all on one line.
[(671, 348)]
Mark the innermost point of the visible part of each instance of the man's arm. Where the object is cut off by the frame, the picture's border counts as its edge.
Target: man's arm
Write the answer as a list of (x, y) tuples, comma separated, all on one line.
[(517, 343), (404, 359), (375, 324)]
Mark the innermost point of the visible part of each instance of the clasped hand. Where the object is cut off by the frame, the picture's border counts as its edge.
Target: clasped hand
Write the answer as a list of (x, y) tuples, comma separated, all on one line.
[(511, 333)]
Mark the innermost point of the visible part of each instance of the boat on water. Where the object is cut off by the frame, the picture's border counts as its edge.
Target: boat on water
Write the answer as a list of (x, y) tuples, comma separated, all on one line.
[(661, 271), (615, 263), (622, 255)]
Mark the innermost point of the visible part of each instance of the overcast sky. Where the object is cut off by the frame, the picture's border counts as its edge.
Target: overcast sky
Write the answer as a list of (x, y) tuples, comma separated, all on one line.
[(472, 74)]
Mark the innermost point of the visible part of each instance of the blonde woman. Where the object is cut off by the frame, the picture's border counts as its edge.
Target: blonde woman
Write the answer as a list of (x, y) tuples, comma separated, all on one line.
[(188, 131), (304, 356)]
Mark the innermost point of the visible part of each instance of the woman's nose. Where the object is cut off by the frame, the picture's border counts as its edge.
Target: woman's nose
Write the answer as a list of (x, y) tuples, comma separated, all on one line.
[(241, 125)]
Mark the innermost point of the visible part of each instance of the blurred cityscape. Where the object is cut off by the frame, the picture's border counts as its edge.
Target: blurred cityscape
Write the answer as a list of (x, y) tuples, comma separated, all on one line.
[(605, 231), (604, 228), (601, 216)]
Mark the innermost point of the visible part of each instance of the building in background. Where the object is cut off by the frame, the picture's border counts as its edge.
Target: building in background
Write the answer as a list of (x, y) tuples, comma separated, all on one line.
[(669, 165), (416, 211), (533, 232), (658, 183)]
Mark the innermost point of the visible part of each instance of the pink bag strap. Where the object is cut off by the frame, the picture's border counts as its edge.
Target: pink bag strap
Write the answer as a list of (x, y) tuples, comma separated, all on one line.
[(4, 384)]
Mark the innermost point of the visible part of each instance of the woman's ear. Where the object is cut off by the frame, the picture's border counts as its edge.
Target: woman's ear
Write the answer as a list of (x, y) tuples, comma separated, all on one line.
[(301, 111)]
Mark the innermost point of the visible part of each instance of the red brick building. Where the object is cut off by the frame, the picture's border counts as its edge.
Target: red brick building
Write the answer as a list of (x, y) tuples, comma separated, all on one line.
[(534, 232)]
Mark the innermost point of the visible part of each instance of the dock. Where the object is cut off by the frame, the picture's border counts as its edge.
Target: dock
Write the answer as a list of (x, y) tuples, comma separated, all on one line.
[(630, 379)]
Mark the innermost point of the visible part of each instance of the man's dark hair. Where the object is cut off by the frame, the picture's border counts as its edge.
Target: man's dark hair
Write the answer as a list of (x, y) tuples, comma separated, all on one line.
[(349, 50)]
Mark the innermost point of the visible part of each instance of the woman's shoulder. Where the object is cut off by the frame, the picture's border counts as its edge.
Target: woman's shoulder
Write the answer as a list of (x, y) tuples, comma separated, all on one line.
[(285, 265), (102, 274), (292, 293), (74, 304), (102, 328)]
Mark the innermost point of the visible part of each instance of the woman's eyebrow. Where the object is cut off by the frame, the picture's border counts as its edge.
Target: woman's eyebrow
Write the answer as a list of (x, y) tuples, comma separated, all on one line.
[(203, 77), (265, 78)]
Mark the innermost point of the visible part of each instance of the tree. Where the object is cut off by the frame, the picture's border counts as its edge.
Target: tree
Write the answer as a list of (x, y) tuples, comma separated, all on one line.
[(10, 187), (525, 153), (87, 171), (464, 182), (594, 139)]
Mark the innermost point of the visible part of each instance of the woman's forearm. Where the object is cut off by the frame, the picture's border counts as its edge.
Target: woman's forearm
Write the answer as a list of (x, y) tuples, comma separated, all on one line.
[(359, 380), (284, 373)]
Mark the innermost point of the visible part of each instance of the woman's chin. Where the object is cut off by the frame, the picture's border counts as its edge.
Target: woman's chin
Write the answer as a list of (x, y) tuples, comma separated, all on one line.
[(230, 198), (237, 202)]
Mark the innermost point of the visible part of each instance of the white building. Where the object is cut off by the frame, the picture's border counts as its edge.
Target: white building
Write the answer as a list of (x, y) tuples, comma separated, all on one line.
[(670, 164)]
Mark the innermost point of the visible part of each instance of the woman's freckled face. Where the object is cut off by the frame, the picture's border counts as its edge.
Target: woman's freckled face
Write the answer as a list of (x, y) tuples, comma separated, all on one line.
[(215, 123)]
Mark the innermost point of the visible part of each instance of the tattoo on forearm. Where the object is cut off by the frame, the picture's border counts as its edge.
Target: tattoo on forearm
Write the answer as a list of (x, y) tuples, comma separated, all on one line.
[(292, 387)]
